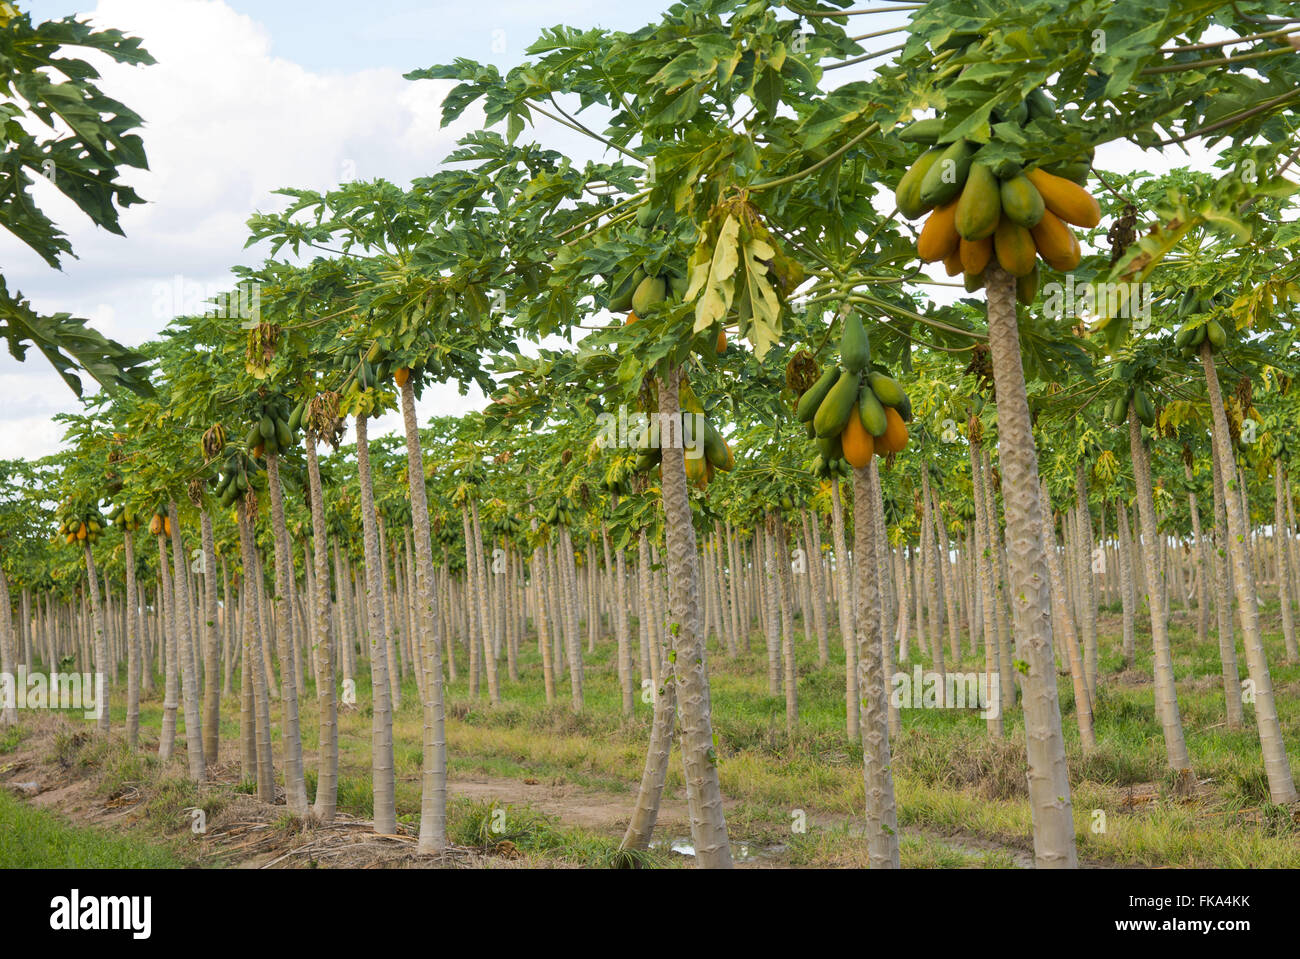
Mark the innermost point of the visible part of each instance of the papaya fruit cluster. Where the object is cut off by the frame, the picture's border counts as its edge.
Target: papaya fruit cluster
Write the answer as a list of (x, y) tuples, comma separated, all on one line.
[(276, 425), (81, 527), (561, 513), (1193, 333), (124, 517), (1133, 394), (233, 481), (639, 292), (717, 452), (854, 412), (160, 523), (979, 214)]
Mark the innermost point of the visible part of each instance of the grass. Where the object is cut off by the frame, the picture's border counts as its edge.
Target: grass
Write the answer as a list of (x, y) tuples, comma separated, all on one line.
[(950, 777), (37, 839)]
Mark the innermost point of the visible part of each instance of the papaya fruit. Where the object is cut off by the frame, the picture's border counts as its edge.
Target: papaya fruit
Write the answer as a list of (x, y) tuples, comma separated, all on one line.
[(1142, 405), (922, 131), (254, 436), (1185, 336), (631, 318), (908, 192), (649, 293), (939, 237), (886, 389), (979, 207), (905, 409), (952, 262), (812, 399), (973, 281), (975, 255), (295, 418), (841, 401), (620, 299), (856, 442), (678, 285), (156, 525), (872, 412), (1076, 171), (697, 471), (1021, 201), (1071, 202), (855, 351), (1056, 243), (830, 447), (1039, 104), (259, 450), (1014, 247), (895, 438), (400, 377), (715, 448), (167, 525), (947, 175), (1216, 334), (283, 435), (266, 426), (720, 344), (1027, 286)]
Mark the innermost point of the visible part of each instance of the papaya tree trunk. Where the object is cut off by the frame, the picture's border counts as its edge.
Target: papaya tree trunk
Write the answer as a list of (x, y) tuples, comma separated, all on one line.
[(433, 798), (295, 787), (132, 643), (1049, 783), (878, 779), (1166, 693), (327, 766), (258, 681), (1281, 786), (689, 666), (384, 781), (102, 666), (845, 608)]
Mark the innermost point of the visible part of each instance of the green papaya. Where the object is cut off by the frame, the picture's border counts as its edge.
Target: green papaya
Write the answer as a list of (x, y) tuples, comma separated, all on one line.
[(979, 206), (295, 418), (973, 281), (715, 448), (855, 351), (947, 175), (1189, 301), (1076, 171), (254, 436), (812, 399), (266, 426), (839, 404), (620, 300), (1142, 405), (830, 447), (872, 413), (1216, 334), (904, 409), (886, 389), (908, 193), (923, 131), (1021, 201), (283, 435), (1039, 104), (649, 293), (1185, 335), (1027, 286), (241, 482)]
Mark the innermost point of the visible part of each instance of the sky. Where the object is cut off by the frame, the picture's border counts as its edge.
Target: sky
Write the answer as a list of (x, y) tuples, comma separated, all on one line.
[(246, 98), (250, 97)]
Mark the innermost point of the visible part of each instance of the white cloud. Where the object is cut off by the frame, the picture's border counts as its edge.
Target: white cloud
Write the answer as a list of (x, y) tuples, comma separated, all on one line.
[(226, 123)]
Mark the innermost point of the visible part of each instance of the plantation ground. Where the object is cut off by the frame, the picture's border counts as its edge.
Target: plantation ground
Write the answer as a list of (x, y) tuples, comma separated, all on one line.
[(559, 787)]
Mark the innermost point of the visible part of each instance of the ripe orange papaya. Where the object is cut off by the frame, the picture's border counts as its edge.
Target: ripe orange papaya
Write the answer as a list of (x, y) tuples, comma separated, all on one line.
[(857, 442), (167, 525), (721, 344), (1056, 243), (952, 262), (938, 237), (975, 255), (1071, 202), (697, 471), (1015, 247), (895, 437), (401, 376)]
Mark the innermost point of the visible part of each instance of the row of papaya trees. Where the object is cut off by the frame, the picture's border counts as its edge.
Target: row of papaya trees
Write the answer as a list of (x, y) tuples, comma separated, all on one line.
[(728, 401)]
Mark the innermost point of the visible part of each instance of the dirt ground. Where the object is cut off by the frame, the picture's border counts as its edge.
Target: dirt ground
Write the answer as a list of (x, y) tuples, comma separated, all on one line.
[(248, 833)]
